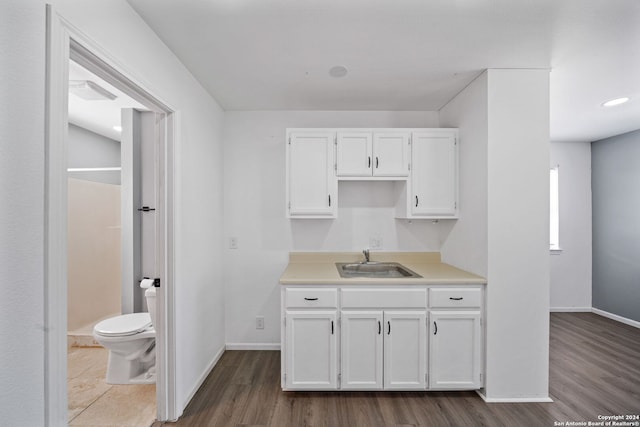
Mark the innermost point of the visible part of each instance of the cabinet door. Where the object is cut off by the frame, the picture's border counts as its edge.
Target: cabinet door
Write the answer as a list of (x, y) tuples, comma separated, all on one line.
[(311, 351), (454, 350), (361, 345), (405, 335), (391, 154), (434, 174), (353, 154), (311, 183)]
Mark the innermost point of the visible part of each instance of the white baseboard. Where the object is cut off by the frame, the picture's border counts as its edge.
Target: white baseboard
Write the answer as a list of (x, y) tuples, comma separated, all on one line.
[(253, 346), (514, 399), (620, 319), (203, 377), (570, 309)]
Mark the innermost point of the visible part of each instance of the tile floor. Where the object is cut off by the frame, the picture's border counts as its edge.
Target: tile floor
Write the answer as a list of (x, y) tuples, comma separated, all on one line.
[(93, 402)]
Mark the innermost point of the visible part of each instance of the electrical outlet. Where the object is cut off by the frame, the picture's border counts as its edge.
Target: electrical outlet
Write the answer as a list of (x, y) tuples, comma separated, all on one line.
[(375, 242), (233, 243), (260, 322)]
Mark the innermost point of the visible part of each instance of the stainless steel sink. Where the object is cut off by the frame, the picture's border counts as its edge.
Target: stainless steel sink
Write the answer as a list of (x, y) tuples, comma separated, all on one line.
[(384, 270)]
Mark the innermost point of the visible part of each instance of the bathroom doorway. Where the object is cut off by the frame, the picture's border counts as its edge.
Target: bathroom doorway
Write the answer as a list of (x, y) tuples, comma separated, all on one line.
[(101, 260), (64, 43)]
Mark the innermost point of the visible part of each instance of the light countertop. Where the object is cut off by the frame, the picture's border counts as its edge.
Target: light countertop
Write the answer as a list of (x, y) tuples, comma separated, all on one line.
[(318, 268)]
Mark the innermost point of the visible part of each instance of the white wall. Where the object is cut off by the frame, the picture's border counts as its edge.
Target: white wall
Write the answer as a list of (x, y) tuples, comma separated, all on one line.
[(466, 246), (518, 234), (512, 151), (571, 268), (22, 38), (199, 293), (254, 212)]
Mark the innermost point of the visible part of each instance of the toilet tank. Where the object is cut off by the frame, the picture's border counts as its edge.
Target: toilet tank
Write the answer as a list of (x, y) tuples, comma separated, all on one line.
[(150, 295)]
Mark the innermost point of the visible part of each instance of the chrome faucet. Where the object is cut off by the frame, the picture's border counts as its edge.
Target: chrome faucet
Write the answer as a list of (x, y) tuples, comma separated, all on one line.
[(366, 255)]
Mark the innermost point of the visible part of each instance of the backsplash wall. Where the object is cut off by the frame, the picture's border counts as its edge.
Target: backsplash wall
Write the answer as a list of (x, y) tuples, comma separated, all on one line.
[(254, 212)]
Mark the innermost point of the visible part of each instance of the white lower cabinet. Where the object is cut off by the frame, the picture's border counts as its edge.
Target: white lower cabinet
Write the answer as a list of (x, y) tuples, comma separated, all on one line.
[(382, 338), (361, 350), (405, 347), (311, 350), (383, 350), (454, 350)]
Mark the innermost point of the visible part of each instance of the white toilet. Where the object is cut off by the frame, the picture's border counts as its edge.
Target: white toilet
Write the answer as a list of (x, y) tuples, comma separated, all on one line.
[(131, 341)]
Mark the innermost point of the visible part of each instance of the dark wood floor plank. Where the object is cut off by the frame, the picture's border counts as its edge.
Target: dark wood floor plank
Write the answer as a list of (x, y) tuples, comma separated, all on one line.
[(594, 370)]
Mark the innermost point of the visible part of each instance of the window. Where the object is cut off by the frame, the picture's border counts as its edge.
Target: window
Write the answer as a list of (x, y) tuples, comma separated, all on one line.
[(554, 211)]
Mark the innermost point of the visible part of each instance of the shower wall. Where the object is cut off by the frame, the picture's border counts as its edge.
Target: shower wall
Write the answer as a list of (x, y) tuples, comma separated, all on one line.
[(93, 252)]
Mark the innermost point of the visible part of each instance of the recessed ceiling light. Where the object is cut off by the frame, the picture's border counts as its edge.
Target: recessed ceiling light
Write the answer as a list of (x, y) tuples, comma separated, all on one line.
[(614, 102), (90, 91), (338, 71), (117, 128)]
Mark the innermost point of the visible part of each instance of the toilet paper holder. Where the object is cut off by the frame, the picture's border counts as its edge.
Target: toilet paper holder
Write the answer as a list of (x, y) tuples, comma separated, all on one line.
[(147, 282)]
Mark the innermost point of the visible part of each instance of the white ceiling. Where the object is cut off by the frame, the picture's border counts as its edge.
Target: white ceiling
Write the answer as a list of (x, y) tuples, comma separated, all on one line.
[(408, 54), (101, 115)]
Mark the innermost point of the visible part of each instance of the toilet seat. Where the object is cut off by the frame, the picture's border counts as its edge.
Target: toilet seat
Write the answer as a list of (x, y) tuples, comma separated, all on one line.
[(125, 325)]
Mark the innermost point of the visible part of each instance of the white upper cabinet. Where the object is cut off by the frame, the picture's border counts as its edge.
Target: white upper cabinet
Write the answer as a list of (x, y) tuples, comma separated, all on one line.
[(354, 153), (391, 154), (372, 154), (432, 190), (423, 162), (311, 184)]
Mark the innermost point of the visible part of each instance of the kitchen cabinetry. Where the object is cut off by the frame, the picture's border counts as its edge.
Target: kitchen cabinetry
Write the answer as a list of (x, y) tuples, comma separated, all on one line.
[(424, 162), (405, 350), (377, 154), (454, 339), (383, 349), (311, 184), (432, 190), (311, 353)]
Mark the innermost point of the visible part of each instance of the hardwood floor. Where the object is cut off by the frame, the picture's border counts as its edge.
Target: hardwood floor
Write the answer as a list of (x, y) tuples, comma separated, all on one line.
[(594, 370)]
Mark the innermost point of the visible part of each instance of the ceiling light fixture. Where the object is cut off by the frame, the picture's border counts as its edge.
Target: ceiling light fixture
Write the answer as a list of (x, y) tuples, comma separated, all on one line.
[(338, 71), (614, 102), (90, 91), (117, 128)]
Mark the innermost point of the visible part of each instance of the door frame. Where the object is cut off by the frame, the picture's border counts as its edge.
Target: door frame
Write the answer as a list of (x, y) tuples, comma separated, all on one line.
[(65, 42)]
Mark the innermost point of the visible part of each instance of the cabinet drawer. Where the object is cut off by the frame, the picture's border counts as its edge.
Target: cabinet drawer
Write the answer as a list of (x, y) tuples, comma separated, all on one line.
[(455, 297), (384, 298), (311, 298)]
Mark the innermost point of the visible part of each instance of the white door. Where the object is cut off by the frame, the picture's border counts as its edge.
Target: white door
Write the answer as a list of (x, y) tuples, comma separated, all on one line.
[(139, 203), (311, 353), (454, 350), (353, 154), (311, 182), (391, 154), (361, 350), (405, 350), (433, 174)]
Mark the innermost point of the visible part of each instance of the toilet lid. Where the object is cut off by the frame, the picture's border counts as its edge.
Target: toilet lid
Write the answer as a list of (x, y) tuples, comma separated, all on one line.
[(127, 324)]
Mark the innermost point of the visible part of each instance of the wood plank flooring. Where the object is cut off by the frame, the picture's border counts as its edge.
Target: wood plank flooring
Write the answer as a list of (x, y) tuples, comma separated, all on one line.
[(594, 370)]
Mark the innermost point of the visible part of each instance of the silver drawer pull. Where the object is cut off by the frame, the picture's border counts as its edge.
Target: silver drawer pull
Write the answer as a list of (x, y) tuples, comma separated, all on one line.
[(310, 299), (456, 299)]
